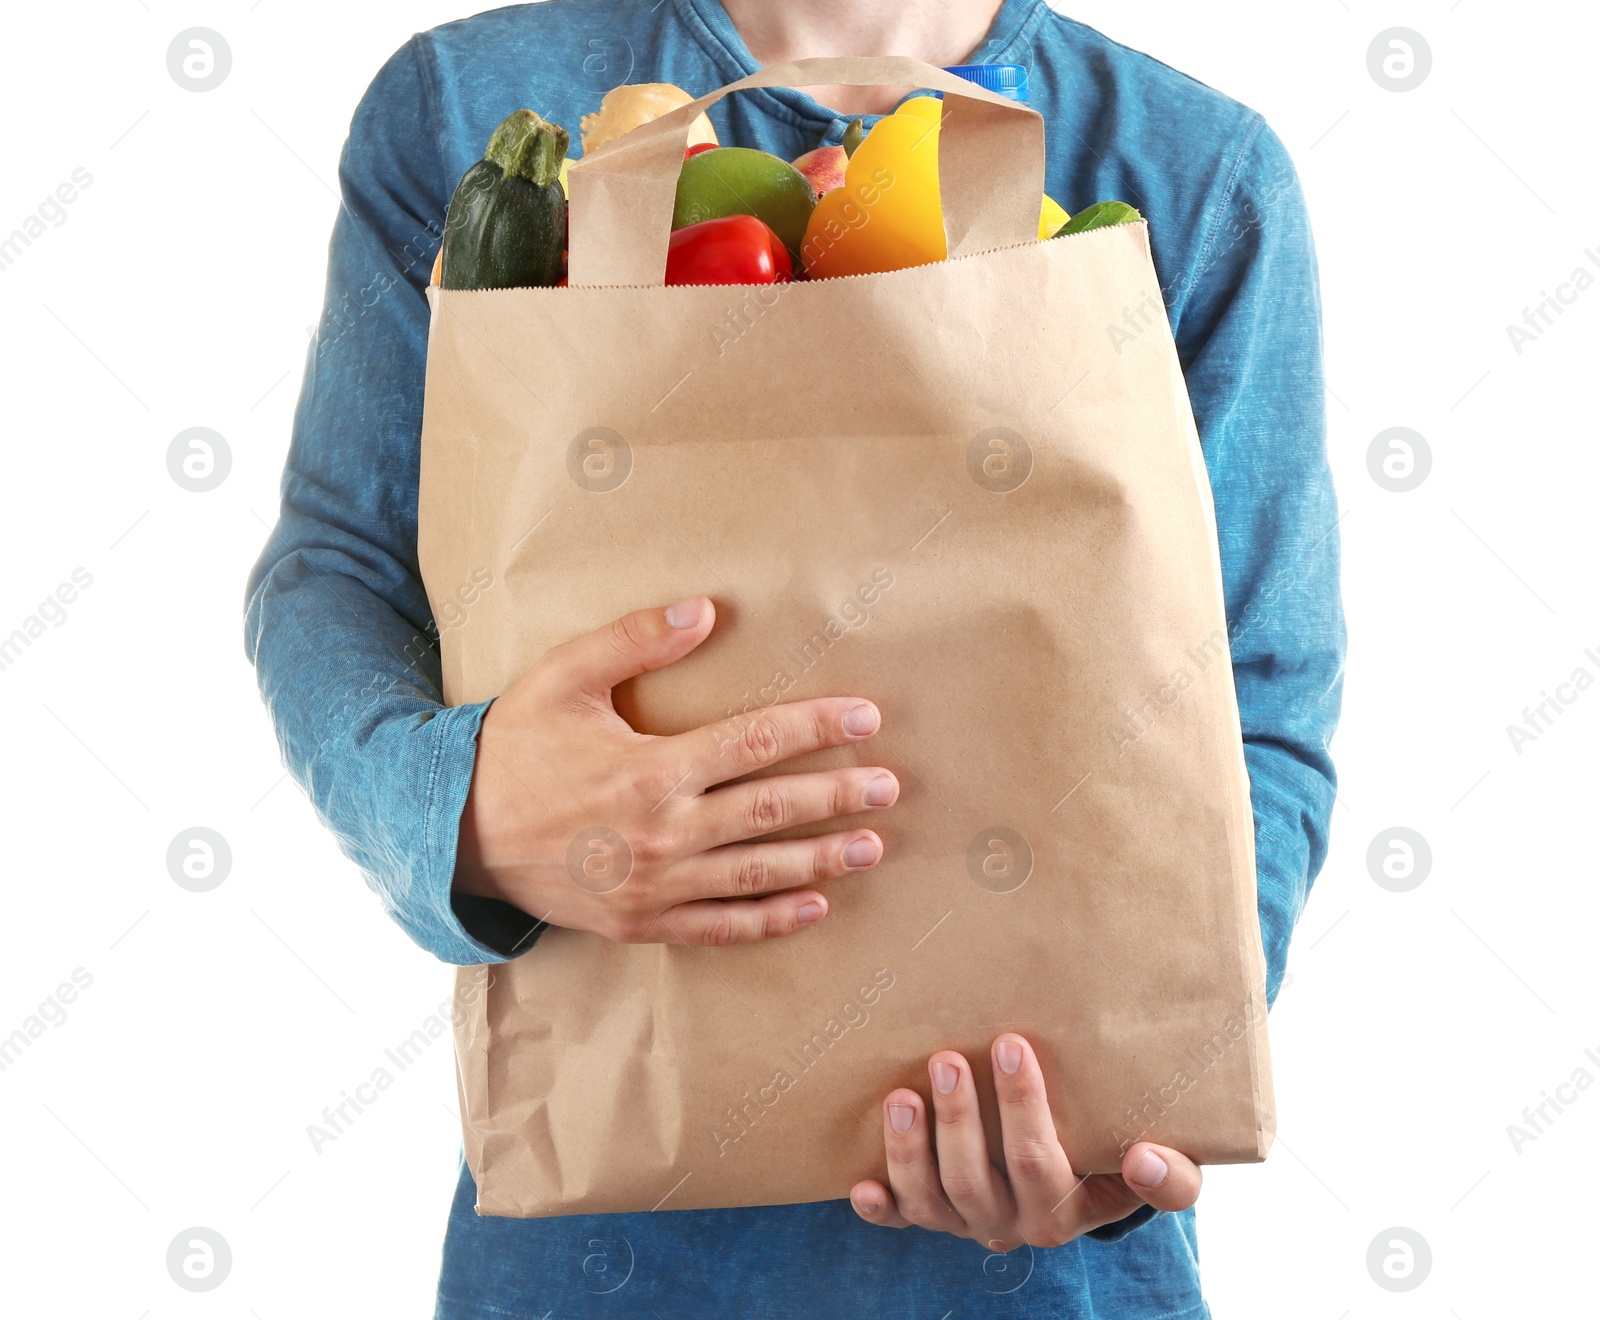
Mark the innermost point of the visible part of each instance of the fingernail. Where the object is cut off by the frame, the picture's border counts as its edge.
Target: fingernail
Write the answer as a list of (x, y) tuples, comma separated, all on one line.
[(901, 1117), (864, 1206), (945, 1078), (880, 792), (859, 721), (686, 613), (863, 852), (1150, 1171), (809, 912), (1008, 1054)]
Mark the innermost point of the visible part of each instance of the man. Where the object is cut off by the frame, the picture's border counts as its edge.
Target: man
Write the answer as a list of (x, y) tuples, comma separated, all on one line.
[(427, 799)]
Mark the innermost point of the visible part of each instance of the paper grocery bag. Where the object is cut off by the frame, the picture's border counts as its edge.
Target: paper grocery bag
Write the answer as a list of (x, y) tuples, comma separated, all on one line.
[(972, 492)]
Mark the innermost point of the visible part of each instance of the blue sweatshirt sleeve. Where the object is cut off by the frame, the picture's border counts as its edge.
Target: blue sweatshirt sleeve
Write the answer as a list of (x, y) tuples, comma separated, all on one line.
[(1250, 337), (337, 622), (1249, 332)]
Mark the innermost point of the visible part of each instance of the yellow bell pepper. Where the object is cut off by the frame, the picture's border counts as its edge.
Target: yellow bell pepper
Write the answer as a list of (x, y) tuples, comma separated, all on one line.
[(1051, 217), (887, 215), (927, 108)]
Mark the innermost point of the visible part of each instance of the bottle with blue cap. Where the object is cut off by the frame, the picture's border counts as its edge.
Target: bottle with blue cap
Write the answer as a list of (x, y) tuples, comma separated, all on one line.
[(1007, 80)]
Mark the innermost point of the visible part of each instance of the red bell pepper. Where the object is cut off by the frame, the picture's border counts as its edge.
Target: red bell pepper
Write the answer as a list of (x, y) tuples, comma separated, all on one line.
[(734, 249), (698, 148)]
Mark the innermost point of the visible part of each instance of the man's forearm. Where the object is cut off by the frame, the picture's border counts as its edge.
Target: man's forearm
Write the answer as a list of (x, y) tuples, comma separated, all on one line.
[(353, 690)]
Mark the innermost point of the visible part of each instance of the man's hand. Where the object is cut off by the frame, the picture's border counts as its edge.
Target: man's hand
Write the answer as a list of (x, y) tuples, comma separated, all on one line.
[(578, 820), (944, 1180)]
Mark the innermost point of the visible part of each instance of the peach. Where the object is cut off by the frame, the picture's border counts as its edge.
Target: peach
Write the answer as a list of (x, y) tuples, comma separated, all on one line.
[(823, 168)]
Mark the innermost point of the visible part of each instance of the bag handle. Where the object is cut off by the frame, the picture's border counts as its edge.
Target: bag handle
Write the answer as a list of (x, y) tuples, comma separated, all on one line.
[(991, 170)]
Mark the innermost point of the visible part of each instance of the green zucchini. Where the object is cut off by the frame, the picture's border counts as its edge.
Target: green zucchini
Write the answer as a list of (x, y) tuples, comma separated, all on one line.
[(507, 223)]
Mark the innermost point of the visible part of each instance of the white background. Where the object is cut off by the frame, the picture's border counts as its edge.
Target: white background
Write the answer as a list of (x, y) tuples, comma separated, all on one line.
[(179, 291)]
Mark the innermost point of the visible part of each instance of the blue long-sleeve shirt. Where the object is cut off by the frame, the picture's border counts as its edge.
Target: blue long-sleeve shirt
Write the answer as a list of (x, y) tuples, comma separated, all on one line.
[(338, 624)]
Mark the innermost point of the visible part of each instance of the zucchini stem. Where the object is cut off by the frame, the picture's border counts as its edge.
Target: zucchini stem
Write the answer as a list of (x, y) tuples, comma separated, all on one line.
[(528, 147)]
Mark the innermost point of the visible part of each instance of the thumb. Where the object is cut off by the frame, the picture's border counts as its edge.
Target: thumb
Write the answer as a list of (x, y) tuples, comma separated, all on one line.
[(1151, 1175), (1161, 1176), (632, 645)]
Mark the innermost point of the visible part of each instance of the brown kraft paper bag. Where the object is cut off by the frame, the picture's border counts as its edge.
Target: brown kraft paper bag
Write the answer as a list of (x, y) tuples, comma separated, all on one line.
[(971, 492)]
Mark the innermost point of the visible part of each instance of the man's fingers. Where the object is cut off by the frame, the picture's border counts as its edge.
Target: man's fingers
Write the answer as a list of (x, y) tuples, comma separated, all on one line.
[(734, 747), (913, 1175), (974, 1186), (1151, 1175), (761, 806), (1161, 1176), (748, 870), (875, 1203), (714, 923), (627, 647), (1041, 1175)]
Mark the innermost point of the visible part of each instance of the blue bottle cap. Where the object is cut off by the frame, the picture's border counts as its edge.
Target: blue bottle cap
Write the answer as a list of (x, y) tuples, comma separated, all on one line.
[(1009, 80)]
